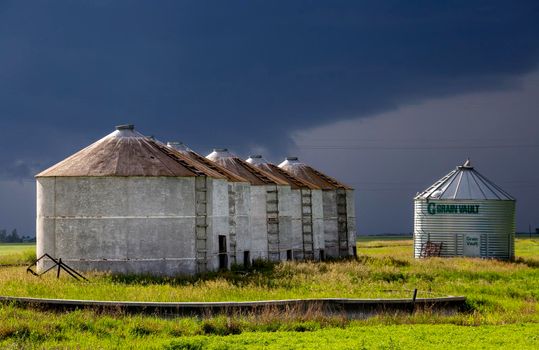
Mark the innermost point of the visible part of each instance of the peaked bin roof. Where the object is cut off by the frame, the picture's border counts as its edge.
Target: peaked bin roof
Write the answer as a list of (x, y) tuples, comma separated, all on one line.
[(243, 169), (182, 149), (464, 182), (294, 182), (309, 174), (125, 152)]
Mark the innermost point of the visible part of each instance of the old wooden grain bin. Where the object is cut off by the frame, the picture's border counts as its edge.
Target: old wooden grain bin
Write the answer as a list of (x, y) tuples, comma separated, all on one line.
[(126, 204), (239, 197), (338, 208), (307, 215), (270, 208)]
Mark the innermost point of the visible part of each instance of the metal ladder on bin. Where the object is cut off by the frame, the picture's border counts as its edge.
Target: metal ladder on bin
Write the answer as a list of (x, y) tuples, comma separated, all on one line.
[(307, 224), (272, 215), (201, 222), (342, 223), (232, 197)]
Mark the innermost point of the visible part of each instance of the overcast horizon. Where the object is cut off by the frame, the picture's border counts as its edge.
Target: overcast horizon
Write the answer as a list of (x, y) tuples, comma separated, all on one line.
[(385, 96)]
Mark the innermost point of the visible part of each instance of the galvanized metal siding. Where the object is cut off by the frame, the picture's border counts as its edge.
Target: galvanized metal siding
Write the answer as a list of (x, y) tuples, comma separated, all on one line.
[(495, 224)]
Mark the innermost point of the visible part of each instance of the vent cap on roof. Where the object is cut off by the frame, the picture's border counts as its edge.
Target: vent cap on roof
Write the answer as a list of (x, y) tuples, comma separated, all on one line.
[(126, 130), (289, 161), (467, 165), (294, 182), (125, 127), (256, 159), (464, 183), (220, 153), (311, 175), (178, 146)]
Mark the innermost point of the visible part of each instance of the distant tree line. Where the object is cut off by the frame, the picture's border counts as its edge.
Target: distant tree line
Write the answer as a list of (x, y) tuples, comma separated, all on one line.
[(14, 237)]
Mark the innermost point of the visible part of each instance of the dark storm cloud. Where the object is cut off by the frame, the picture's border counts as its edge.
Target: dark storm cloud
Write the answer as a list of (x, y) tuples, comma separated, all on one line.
[(243, 74), (212, 72), (392, 156)]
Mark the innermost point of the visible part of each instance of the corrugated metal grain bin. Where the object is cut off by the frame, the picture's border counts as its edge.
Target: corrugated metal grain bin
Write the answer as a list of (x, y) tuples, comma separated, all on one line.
[(306, 211), (338, 208), (127, 204), (239, 196), (269, 206), (468, 214)]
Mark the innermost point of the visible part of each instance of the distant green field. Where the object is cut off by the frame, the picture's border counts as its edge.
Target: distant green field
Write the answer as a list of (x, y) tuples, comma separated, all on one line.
[(363, 238), (17, 253), (10, 248), (527, 248)]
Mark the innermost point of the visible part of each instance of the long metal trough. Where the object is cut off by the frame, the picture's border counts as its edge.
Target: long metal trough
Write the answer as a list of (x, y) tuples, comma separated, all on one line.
[(352, 308)]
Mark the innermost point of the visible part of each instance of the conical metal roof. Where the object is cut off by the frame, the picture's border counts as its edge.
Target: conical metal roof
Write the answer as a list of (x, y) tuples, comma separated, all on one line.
[(243, 169), (126, 152), (464, 183), (311, 175), (294, 182), (183, 150)]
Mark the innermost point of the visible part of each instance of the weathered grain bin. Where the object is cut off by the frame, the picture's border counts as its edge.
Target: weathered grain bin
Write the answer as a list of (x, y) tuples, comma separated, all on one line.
[(126, 204), (270, 206), (239, 196), (306, 211), (468, 214), (338, 208)]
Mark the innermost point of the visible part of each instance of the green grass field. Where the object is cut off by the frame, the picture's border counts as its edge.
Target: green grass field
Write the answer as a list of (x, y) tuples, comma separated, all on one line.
[(502, 297), (13, 248), (17, 253), (85, 330)]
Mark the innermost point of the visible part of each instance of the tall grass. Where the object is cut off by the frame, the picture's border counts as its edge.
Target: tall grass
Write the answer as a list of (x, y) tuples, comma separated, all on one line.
[(498, 292), (502, 299)]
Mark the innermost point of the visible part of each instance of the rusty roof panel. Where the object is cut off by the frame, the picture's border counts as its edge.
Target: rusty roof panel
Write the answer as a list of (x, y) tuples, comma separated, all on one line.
[(243, 169), (309, 174), (181, 148), (293, 181), (125, 152), (197, 167), (222, 170)]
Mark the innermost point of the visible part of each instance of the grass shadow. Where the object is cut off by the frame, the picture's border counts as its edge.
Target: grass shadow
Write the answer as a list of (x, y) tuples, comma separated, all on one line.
[(382, 261), (529, 262), (237, 275)]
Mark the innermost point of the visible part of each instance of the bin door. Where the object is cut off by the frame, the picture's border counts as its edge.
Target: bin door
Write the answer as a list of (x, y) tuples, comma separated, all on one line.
[(223, 256), (472, 245)]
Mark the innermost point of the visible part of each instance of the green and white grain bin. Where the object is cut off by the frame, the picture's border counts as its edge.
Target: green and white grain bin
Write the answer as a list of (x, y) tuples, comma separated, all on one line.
[(469, 214)]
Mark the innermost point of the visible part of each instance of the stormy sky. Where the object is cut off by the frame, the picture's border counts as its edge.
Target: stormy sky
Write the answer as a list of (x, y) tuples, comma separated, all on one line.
[(387, 96)]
